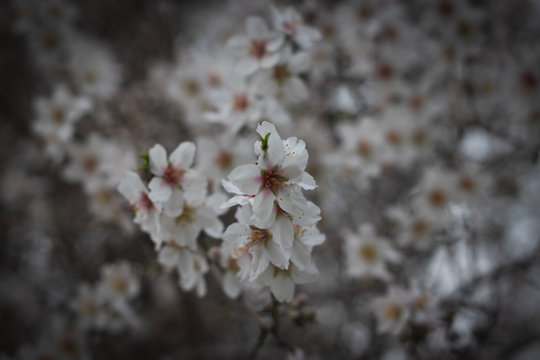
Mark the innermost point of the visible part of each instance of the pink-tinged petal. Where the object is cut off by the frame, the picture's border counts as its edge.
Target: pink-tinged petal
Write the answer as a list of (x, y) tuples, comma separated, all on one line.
[(238, 42), (263, 206), (158, 159), (159, 190), (256, 27), (131, 186), (175, 205), (183, 155), (282, 287), (299, 63), (283, 232), (278, 256), (246, 178)]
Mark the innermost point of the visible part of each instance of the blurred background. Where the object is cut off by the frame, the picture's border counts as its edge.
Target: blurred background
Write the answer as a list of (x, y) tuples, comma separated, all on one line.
[(422, 122)]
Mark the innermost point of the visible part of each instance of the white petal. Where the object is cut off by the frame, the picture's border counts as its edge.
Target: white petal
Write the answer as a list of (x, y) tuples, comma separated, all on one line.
[(131, 186), (231, 285), (300, 255), (296, 153), (158, 159), (299, 63), (274, 44), (169, 256), (238, 42), (283, 232), (282, 287), (195, 187), (277, 255), (201, 287), (295, 89), (259, 262), (159, 191), (183, 155), (291, 200), (246, 178), (263, 205), (246, 66), (175, 205), (292, 172), (256, 27), (269, 60), (307, 182)]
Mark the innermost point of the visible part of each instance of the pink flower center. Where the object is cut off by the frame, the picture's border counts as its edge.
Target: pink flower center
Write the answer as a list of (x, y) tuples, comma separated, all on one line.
[(259, 235), (257, 49), (240, 102), (290, 28), (173, 175), (272, 179), (145, 201)]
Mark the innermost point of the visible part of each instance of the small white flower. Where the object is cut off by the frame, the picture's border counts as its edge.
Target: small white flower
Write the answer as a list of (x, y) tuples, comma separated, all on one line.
[(367, 254), (185, 228), (191, 266), (254, 248), (291, 23), (237, 104), (282, 79), (146, 211), (57, 115), (87, 162), (94, 68), (118, 282), (173, 180), (277, 177), (258, 49), (282, 281), (88, 305), (392, 311)]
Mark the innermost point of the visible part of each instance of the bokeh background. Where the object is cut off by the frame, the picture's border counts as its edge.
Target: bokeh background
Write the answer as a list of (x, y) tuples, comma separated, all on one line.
[(459, 79)]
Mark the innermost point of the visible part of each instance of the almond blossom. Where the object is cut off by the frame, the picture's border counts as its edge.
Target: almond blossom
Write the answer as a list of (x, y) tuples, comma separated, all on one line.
[(278, 175), (146, 211), (291, 23), (173, 180), (258, 49)]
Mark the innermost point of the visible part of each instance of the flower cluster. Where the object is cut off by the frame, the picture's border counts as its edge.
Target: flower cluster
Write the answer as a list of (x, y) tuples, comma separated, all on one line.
[(276, 230), (174, 209)]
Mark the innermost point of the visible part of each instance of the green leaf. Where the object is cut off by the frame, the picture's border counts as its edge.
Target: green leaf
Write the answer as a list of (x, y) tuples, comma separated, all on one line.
[(264, 142), (146, 162)]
